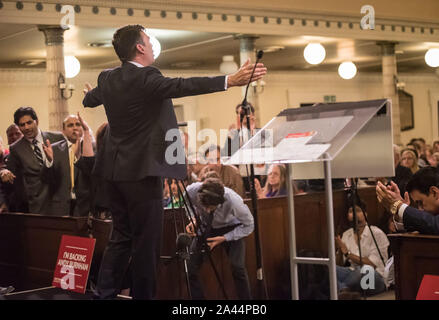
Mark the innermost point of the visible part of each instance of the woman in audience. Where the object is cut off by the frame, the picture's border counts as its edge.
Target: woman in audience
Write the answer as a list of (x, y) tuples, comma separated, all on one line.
[(276, 182), (432, 161), (349, 276), (409, 159)]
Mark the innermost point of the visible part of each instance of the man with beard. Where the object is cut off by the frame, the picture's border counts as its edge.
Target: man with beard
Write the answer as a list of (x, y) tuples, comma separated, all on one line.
[(30, 159)]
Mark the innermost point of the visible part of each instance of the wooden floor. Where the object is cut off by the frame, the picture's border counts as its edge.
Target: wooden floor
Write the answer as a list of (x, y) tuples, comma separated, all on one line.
[(388, 295)]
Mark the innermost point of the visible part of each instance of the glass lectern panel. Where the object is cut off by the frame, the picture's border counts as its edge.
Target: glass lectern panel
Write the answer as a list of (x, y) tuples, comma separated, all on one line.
[(305, 134)]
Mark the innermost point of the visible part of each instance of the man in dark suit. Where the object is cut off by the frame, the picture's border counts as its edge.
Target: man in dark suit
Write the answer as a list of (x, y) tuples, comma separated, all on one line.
[(71, 184), (137, 101), (30, 159), (423, 188)]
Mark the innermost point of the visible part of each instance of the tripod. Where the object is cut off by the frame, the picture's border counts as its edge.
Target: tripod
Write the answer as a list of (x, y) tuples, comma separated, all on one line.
[(184, 240), (357, 201), (259, 268)]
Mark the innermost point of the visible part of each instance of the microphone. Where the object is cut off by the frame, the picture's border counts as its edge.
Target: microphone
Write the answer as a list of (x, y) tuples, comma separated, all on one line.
[(244, 102), (183, 241)]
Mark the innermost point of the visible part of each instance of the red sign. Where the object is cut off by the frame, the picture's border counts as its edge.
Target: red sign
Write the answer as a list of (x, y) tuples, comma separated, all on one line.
[(301, 134), (73, 263), (429, 288)]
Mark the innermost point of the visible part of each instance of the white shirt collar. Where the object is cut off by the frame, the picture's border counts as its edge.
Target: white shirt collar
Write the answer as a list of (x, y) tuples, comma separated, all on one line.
[(39, 138), (68, 141), (136, 64)]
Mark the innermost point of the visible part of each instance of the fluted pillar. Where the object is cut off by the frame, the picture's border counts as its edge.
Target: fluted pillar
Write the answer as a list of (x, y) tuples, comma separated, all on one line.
[(389, 85), (247, 50), (58, 107)]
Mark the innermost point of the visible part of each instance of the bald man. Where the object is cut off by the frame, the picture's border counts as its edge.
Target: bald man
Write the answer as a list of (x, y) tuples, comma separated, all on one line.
[(71, 185)]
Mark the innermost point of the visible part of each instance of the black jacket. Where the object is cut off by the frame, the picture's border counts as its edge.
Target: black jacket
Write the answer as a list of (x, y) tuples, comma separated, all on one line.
[(62, 184), (36, 180), (140, 114), (422, 221)]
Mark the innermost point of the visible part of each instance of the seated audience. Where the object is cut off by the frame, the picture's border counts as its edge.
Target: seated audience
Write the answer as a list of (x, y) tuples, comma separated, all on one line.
[(409, 159), (431, 159), (402, 173), (276, 182), (436, 146), (172, 198), (229, 175), (375, 255), (194, 167)]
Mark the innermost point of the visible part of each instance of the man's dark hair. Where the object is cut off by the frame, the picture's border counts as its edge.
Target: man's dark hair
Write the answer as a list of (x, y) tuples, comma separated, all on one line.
[(252, 109), (125, 40), (24, 111), (358, 202), (211, 148), (211, 192), (210, 174), (423, 179)]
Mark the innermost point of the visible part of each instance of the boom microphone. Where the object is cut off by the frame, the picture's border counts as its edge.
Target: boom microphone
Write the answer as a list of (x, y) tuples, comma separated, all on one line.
[(244, 102)]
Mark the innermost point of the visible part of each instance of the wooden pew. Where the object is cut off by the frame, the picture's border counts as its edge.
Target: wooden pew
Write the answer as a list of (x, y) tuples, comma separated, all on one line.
[(415, 255), (29, 245), (311, 234)]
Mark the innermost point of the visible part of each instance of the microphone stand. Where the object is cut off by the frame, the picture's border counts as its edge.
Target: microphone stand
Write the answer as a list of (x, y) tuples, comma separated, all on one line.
[(245, 111)]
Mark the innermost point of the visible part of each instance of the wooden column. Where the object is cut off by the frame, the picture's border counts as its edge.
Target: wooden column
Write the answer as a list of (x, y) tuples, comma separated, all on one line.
[(58, 107), (389, 85)]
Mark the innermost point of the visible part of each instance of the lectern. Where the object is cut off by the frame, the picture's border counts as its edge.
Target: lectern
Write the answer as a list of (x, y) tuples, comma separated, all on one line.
[(337, 140)]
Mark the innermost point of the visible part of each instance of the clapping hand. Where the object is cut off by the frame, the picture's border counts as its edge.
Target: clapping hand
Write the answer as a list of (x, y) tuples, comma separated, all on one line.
[(47, 147), (387, 196)]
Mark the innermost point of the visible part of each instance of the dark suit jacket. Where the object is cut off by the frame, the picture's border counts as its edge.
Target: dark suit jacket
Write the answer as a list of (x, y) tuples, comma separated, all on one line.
[(422, 221), (36, 179), (139, 109), (62, 184)]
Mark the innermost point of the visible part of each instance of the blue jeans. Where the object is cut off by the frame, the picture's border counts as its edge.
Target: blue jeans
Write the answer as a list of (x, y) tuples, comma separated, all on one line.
[(351, 279)]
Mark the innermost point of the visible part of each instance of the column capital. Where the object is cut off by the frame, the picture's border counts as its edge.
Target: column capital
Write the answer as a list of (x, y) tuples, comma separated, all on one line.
[(246, 41), (54, 34), (387, 47)]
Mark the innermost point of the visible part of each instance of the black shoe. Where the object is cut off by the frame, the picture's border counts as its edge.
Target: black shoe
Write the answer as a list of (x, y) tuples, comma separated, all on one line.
[(6, 290)]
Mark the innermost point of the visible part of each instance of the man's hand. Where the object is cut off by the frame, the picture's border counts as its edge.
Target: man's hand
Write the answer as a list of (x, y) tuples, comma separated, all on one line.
[(191, 229), (47, 147), (242, 76), (7, 176), (84, 124), (213, 242), (387, 196), (87, 88), (341, 245)]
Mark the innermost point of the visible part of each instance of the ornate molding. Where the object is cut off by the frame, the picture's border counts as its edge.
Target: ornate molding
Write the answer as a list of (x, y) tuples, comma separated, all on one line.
[(53, 34), (195, 15)]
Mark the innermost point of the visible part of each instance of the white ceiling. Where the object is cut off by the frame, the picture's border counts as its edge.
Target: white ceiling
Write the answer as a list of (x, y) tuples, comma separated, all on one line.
[(204, 50)]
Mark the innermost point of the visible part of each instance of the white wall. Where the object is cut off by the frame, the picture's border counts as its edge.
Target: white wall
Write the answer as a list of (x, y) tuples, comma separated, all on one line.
[(20, 87)]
